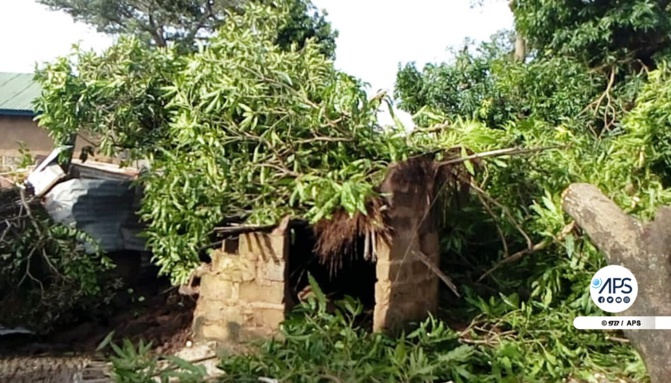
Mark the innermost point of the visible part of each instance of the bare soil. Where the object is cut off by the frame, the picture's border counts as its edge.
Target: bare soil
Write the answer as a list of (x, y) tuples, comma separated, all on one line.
[(164, 320)]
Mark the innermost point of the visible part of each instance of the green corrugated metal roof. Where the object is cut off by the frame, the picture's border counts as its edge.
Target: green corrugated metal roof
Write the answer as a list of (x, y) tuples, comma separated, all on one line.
[(17, 92)]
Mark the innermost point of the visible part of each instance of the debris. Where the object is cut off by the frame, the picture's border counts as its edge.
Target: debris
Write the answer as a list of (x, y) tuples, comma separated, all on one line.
[(47, 174), (12, 331), (104, 209)]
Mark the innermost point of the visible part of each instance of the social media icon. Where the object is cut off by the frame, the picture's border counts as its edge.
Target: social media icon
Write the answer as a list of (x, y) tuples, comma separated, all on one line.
[(609, 299), (602, 299), (626, 300), (618, 300)]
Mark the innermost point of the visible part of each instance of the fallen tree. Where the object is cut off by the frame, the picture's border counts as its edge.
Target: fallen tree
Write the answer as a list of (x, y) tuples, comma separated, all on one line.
[(240, 129), (45, 274), (642, 248)]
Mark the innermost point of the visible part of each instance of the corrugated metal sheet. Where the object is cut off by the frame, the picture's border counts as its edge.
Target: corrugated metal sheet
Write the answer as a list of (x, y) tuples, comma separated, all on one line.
[(17, 92), (102, 171), (104, 209), (12, 331)]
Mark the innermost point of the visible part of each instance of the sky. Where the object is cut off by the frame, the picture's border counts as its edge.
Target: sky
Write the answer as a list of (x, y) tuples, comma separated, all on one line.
[(375, 36)]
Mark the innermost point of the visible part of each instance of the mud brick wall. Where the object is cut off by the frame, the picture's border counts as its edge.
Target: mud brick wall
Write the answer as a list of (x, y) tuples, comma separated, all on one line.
[(407, 289), (241, 296)]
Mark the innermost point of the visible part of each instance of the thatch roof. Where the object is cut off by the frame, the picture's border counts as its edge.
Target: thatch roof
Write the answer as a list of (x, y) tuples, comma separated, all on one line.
[(343, 237), (347, 237)]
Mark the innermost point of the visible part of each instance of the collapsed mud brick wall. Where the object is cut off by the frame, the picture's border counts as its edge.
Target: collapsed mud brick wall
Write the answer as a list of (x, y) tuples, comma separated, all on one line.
[(242, 295)]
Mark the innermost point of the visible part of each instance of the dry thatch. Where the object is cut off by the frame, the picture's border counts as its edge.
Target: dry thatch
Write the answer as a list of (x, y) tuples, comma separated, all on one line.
[(347, 238)]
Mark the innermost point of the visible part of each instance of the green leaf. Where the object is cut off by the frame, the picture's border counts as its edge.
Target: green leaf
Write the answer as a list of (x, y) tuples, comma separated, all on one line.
[(569, 242), (458, 354), (467, 163)]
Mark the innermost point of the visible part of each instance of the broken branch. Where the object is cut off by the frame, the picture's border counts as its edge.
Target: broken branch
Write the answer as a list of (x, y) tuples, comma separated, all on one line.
[(537, 247), (499, 153)]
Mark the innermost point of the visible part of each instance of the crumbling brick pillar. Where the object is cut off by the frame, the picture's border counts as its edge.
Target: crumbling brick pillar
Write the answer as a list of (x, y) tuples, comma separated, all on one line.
[(242, 295), (407, 289)]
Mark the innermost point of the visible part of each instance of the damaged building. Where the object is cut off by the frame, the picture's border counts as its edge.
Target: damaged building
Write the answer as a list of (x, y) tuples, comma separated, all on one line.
[(388, 258)]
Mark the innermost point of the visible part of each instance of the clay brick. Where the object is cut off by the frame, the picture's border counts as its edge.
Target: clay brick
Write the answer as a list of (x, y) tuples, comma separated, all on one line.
[(416, 292), (269, 318), (402, 302), (262, 245), (399, 271), (213, 287), (382, 292), (271, 270), (248, 319), (386, 270), (219, 332), (253, 292), (395, 317), (217, 322), (248, 334), (413, 213), (430, 241), (386, 319), (411, 311), (234, 268), (393, 293), (264, 305), (404, 223), (406, 289), (401, 247), (383, 251), (217, 311), (217, 257)]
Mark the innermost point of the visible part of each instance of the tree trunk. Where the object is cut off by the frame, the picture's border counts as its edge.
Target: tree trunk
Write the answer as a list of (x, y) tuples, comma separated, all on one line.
[(642, 248), (520, 48), (520, 53)]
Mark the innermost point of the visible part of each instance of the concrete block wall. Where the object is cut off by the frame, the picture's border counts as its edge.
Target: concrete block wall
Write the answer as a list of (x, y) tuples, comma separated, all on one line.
[(242, 296), (406, 289)]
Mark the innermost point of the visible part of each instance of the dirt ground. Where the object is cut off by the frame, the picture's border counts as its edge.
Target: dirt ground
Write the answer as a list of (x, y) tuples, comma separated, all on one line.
[(164, 319)]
